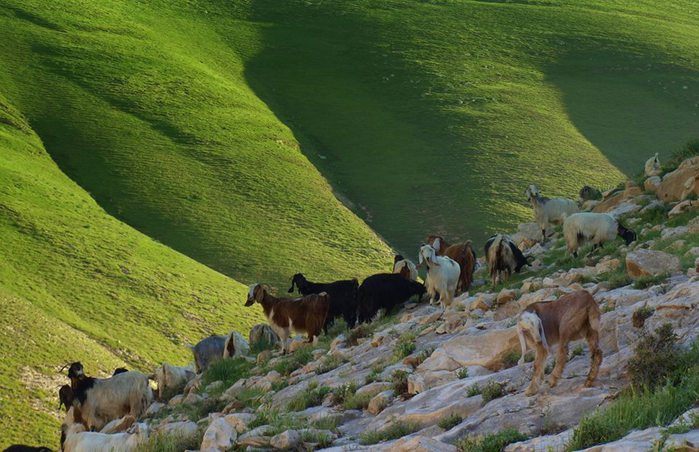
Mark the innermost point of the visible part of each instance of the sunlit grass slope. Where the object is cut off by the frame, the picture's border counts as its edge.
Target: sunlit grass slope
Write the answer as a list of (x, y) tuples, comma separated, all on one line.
[(436, 115), (76, 284), (146, 106)]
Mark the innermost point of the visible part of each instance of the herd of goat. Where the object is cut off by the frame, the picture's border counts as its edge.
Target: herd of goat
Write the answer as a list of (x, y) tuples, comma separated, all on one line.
[(96, 408)]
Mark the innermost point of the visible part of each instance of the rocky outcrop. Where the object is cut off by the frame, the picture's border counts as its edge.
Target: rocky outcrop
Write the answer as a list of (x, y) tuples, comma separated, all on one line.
[(679, 184), (643, 262)]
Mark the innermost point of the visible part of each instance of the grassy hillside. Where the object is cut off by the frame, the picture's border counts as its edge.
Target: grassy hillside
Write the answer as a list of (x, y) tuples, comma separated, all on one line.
[(148, 109), (435, 115), (76, 284)]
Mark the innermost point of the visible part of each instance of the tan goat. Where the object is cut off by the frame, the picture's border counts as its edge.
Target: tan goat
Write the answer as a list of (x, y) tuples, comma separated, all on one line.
[(571, 317)]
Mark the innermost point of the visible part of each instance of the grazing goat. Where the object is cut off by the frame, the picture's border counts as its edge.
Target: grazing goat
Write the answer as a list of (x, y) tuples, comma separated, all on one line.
[(549, 210), (98, 401), (343, 298), (462, 254), (653, 167), (172, 379), (235, 345), (503, 258), (207, 351), (384, 291), (594, 228), (571, 317), (442, 275), (77, 441), (404, 267), (303, 315)]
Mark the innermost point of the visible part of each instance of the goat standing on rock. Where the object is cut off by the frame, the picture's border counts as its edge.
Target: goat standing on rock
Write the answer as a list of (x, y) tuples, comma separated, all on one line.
[(462, 254), (571, 317), (549, 210), (303, 315), (442, 275)]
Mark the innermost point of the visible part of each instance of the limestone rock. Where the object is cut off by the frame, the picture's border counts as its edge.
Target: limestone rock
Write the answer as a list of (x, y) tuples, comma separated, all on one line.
[(545, 443), (288, 439), (263, 333), (184, 429), (380, 401), (679, 184), (527, 235), (486, 349), (685, 206), (643, 262), (372, 389), (652, 184), (240, 421), (219, 436), (666, 233), (416, 384), (421, 444), (154, 409), (505, 296), (297, 343)]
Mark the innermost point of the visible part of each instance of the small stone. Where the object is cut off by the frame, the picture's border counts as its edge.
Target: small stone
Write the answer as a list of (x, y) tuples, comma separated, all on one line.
[(219, 436), (288, 439), (652, 183), (380, 401), (154, 409)]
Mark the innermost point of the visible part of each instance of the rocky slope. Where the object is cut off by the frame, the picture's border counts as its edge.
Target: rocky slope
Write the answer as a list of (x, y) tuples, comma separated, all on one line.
[(423, 379)]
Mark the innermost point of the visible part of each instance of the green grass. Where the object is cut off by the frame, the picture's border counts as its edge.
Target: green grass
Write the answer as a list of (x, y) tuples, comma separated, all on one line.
[(493, 442), (450, 421), (313, 395), (228, 371), (393, 431), (405, 345), (171, 443)]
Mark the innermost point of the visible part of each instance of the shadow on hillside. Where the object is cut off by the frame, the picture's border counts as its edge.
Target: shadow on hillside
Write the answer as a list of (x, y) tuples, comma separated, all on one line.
[(628, 105)]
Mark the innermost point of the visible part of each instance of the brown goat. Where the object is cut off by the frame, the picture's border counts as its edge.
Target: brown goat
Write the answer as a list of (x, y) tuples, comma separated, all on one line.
[(462, 253), (304, 315), (571, 317)]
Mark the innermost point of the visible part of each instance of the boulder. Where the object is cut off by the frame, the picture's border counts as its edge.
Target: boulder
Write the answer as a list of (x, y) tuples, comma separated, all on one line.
[(154, 409), (527, 235), (288, 439), (236, 345), (240, 421), (666, 233), (219, 436), (643, 262), (175, 400), (505, 296), (679, 184), (612, 203), (380, 401), (652, 184), (184, 429), (685, 206), (372, 389), (263, 333)]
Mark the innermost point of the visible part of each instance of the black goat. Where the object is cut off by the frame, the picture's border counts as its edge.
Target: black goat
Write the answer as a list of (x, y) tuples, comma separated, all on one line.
[(384, 291), (343, 298), (504, 258)]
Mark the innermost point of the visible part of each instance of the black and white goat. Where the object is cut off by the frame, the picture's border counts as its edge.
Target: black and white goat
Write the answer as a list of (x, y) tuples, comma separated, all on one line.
[(503, 258)]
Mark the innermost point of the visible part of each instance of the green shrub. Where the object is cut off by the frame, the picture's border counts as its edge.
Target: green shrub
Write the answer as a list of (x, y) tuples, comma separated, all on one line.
[(462, 373), (344, 392), (312, 396), (374, 374), (393, 431), (640, 315), (494, 442), (329, 363), (357, 402), (656, 358), (260, 346), (511, 359), (405, 345), (228, 371), (400, 383), (616, 278), (450, 421), (577, 351), (473, 390), (644, 282), (321, 440), (492, 391), (161, 442), (296, 360)]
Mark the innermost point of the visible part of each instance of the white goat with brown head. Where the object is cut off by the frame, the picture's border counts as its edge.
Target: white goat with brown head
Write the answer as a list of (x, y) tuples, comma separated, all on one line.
[(571, 317), (442, 275)]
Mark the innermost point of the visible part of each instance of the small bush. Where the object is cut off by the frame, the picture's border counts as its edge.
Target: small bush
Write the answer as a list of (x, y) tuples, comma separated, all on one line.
[(320, 439), (616, 278), (329, 363), (577, 351), (494, 442), (492, 391), (374, 374), (450, 421), (357, 402), (294, 361), (228, 371), (360, 331), (648, 281), (511, 359), (400, 382), (405, 345), (279, 385), (312, 396), (344, 392), (423, 355), (640, 315), (326, 423), (162, 442), (656, 357), (260, 346), (462, 373), (473, 390), (393, 431)]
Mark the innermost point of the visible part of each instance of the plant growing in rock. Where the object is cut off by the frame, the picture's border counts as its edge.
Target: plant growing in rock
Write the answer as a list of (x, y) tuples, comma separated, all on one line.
[(393, 431), (640, 315), (644, 282), (492, 391), (405, 345), (374, 374), (312, 396), (400, 383), (462, 373), (494, 442), (473, 390), (343, 392), (357, 402), (656, 357), (450, 421), (329, 363), (510, 359), (577, 351)]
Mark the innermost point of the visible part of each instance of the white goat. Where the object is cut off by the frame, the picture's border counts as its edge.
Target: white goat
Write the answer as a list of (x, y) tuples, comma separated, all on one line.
[(549, 210), (81, 441), (99, 401), (594, 228), (653, 167), (442, 275), (172, 379)]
